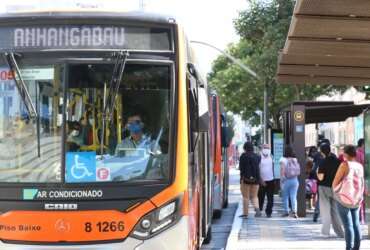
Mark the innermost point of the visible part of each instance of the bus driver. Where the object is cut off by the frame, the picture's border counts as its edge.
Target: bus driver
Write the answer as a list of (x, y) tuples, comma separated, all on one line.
[(136, 139)]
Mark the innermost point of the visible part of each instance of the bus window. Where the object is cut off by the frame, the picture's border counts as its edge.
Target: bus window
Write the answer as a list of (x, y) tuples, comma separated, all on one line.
[(131, 145), (30, 149)]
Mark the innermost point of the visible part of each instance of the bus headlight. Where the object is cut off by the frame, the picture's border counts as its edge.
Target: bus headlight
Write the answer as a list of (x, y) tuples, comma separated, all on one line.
[(167, 210), (158, 220)]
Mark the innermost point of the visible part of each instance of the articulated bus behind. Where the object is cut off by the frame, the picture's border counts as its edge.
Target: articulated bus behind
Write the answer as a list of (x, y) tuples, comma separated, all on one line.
[(218, 155), (104, 134)]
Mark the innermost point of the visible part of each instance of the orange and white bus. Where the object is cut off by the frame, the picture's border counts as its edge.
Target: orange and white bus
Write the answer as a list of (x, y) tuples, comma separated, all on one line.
[(104, 134)]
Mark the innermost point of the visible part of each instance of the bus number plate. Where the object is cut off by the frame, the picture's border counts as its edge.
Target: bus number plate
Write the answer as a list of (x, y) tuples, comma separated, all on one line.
[(105, 226)]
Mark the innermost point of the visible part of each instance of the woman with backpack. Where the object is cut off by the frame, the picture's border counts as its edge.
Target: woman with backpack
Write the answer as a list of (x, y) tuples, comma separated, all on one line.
[(289, 172), (249, 178), (349, 187)]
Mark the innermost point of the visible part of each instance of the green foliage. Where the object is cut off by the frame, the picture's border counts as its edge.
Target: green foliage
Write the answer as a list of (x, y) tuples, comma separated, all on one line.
[(230, 127), (263, 30)]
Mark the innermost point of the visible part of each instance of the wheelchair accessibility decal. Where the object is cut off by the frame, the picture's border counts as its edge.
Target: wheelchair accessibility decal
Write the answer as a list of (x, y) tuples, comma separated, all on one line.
[(81, 167)]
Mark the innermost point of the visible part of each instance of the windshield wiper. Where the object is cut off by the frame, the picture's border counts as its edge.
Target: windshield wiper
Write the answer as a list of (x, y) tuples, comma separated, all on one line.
[(21, 86), (110, 99)]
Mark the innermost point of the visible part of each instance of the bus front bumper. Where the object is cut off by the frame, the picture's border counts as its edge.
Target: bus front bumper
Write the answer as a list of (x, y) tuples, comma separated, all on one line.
[(174, 238)]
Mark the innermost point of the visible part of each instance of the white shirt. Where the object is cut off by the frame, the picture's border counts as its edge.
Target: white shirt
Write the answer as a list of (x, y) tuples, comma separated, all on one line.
[(266, 168)]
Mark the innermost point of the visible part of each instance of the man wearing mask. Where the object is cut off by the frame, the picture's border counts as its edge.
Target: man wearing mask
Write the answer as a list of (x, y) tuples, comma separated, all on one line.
[(75, 138), (267, 180), (136, 139)]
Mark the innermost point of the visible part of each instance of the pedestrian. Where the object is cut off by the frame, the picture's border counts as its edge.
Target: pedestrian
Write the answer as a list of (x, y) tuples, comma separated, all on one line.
[(267, 186), (360, 152), (341, 153), (249, 178), (349, 185), (360, 158), (311, 179), (289, 172), (326, 173), (317, 158)]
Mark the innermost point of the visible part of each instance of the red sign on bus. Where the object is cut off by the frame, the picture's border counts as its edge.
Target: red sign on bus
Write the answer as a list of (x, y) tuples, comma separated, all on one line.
[(6, 75)]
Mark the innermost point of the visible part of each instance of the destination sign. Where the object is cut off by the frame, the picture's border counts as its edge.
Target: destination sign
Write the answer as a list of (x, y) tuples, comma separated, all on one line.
[(65, 37), (84, 37)]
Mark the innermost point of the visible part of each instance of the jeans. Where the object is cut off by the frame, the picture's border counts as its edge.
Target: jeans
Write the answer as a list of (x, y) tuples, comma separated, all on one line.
[(329, 212), (269, 191), (290, 189), (351, 222)]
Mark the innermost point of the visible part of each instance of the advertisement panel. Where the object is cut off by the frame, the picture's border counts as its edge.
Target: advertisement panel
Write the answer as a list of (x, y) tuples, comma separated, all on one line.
[(278, 151)]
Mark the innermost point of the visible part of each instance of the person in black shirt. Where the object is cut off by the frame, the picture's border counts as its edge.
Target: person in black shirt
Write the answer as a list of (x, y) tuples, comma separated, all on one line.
[(249, 178), (326, 173)]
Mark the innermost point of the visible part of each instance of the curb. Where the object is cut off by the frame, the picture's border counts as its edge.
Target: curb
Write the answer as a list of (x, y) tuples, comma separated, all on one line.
[(232, 240)]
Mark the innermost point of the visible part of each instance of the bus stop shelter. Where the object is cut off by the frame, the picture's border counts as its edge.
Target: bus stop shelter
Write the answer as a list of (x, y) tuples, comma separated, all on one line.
[(297, 115), (328, 43)]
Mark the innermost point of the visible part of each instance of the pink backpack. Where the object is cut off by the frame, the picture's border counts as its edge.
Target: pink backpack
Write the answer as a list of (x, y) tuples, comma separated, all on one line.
[(311, 186), (350, 190), (292, 169)]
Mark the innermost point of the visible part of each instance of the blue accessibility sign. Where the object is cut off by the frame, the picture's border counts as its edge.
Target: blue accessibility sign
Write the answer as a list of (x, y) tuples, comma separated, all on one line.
[(80, 167)]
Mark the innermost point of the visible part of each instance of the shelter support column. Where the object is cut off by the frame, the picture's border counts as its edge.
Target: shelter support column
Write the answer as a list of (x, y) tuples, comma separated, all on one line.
[(298, 144)]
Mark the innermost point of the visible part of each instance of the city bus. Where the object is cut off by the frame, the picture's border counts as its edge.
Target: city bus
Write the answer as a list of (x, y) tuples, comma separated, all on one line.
[(104, 134)]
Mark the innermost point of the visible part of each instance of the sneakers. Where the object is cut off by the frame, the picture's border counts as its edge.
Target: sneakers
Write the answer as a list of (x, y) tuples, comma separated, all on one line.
[(285, 215), (325, 236), (243, 216), (268, 215), (294, 215), (258, 213)]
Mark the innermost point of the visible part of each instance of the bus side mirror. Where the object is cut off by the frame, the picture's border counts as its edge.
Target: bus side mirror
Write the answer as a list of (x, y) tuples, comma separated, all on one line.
[(203, 121)]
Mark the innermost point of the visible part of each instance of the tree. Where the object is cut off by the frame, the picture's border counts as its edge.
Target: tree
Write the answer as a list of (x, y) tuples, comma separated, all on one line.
[(263, 30), (230, 128)]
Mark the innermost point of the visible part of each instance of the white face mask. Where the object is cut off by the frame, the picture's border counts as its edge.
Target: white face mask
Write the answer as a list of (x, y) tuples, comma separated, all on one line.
[(266, 151), (75, 133)]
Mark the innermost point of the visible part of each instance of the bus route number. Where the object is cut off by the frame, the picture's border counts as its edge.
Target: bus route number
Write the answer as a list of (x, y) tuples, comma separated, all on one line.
[(105, 226)]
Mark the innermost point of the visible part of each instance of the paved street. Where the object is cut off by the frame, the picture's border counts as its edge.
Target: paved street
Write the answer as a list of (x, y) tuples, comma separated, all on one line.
[(221, 227), (281, 233)]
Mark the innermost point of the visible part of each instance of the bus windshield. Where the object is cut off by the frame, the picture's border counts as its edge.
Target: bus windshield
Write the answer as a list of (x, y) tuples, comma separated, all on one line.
[(66, 144)]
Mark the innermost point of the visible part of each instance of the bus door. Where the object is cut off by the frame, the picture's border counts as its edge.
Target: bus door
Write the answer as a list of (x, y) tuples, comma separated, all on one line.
[(200, 170), (205, 168)]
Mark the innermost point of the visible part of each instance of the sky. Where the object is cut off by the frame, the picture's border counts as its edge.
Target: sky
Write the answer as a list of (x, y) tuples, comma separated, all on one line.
[(209, 21)]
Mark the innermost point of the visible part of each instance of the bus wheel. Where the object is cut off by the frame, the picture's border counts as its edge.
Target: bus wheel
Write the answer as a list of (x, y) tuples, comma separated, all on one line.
[(208, 238), (217, 214)]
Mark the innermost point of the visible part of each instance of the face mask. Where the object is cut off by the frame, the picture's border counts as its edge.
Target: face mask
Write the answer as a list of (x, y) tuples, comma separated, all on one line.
[(135, 128), (91, 121), (75, 133), (265, 151)]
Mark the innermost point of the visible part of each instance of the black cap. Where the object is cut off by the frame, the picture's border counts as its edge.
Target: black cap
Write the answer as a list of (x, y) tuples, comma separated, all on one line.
[(324, 141)]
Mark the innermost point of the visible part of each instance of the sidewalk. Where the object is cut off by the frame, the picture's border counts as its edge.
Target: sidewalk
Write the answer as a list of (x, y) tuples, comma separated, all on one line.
[(282, 233)]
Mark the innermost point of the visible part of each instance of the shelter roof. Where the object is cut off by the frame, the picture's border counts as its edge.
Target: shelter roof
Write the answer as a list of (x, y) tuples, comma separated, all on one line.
[(328, 43), (323, 114), (329, 111)]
